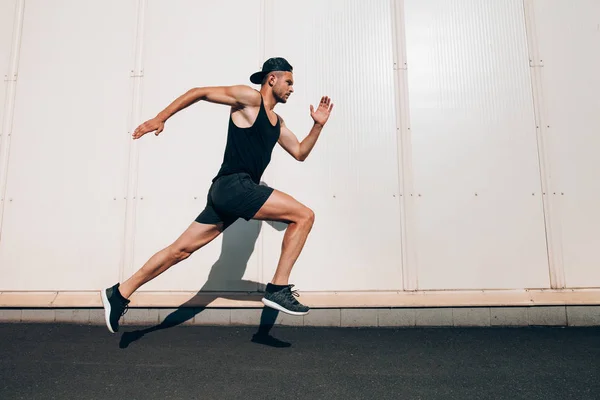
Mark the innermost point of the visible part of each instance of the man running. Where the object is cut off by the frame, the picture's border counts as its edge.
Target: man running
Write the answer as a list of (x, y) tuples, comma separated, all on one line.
[(254, 129)]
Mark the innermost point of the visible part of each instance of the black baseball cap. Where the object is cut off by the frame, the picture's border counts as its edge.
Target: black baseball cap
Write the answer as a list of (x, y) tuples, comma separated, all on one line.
[(272, 64)]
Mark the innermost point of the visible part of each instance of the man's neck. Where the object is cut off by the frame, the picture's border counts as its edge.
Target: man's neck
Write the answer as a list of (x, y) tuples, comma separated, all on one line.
[(268, 98)]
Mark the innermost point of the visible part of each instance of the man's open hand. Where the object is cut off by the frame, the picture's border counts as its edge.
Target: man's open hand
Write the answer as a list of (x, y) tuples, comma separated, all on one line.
[(321, 115), (151, 125)]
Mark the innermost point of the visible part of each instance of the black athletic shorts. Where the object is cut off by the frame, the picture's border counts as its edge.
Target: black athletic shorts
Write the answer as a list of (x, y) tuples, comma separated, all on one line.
[(231, 197)]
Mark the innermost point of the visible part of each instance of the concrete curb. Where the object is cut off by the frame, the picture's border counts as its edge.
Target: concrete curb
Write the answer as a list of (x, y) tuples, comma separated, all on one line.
[(574, 316)]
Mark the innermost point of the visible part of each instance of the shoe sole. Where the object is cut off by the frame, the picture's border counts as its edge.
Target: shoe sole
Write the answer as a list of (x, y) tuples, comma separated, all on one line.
[(276, 306), (107, 310)]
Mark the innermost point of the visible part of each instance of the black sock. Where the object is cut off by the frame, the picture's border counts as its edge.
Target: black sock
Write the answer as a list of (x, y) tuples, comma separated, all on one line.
[(274, 288), (120, 295)]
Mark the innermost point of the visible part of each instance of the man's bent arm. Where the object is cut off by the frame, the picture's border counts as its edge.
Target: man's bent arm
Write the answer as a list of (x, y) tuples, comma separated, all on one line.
[(309, 141), (299, 150), (235, 96)]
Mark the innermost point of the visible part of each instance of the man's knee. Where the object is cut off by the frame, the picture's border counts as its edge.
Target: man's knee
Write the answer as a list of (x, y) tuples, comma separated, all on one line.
[(177, 253), (307, 216)]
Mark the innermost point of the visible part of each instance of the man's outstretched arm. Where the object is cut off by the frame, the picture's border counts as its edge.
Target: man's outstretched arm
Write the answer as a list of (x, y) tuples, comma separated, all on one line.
[(301, 150), (238, 96)]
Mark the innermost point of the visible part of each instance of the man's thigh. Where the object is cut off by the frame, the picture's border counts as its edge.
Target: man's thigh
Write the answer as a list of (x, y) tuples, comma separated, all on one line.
[(198, 235), (282, 207)]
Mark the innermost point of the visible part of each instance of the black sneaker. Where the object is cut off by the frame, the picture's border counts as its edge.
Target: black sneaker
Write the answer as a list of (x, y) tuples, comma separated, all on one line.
[(283, 300), (115, 305)]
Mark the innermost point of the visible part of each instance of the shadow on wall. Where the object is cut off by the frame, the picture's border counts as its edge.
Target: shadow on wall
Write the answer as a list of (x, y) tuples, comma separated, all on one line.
[(238, 242)]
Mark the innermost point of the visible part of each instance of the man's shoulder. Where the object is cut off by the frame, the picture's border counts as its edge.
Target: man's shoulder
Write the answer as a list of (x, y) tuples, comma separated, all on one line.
[(246, 88), (246, 95)]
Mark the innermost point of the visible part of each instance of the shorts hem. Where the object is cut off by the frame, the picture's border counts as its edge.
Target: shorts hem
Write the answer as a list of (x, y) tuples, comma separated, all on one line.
[(259, 205)]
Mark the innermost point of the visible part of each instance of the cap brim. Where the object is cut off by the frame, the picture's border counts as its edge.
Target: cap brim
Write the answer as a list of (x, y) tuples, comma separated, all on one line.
[(257, 77)]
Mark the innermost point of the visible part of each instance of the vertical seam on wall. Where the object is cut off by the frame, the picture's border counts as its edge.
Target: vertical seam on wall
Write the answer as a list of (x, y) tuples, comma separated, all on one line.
[(262, 50), (9, 104), (549, 207), (137, 75), (404, 149)]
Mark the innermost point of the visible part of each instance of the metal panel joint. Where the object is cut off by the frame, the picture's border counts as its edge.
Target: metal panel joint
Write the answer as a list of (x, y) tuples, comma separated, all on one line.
[(536, 63)]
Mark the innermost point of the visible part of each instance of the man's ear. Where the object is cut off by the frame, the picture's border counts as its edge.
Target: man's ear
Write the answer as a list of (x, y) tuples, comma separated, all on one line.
[(271, 79)]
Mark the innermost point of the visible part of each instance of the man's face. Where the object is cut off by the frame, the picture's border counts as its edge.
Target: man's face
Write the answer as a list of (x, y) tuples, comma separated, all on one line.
[(283, 86)]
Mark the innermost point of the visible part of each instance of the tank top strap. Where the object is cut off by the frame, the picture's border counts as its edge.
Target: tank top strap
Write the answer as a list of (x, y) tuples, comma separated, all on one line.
[(262, 114)]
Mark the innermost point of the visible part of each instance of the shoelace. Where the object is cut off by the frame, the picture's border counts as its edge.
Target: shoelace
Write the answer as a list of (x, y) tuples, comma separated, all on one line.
[(125, 309), (294, 292)]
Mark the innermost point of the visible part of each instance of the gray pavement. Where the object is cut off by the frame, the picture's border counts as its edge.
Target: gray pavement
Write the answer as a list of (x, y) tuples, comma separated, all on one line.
[(53, 361)]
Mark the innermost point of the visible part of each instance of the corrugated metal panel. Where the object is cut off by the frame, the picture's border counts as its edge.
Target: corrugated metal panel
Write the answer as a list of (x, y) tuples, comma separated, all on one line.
[(479, 211), (69, 149), (182, 51), (479, 221), (568, 35), (342, 49), (7, 13)]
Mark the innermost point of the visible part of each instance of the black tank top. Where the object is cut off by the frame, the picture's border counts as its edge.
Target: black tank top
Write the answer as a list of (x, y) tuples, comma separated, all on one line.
[(249, 149)]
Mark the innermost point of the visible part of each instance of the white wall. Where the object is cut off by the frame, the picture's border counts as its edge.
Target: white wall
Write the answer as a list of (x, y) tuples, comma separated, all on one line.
[(64, 209), (479, 216), (569, 44), (351, 179), (437, 169), (7, 11), (185, 45)]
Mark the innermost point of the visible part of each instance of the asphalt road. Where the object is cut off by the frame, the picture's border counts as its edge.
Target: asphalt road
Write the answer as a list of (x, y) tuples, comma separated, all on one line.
[(51, 361)]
